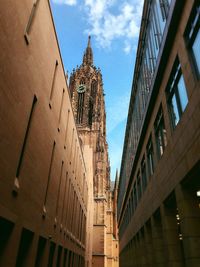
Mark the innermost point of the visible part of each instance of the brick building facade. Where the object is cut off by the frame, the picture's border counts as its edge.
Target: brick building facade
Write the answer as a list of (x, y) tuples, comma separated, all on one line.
[(159, 188)]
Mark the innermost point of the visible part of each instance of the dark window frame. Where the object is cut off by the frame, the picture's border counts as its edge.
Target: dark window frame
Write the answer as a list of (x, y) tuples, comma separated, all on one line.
[(191, 32), (150, 157), (139, 185), (135, 196), (172, 91), (144, 174), (160, 131)]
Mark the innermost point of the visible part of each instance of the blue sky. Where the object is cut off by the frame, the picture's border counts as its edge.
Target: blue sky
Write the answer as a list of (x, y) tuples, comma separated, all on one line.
[(114, 29)]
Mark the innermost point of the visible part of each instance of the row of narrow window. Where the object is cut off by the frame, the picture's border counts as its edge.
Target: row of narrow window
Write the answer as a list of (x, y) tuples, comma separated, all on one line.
[(27, 39), (71, 207), (48, 252), (24, 144), (76, 208), (177, 101), (167, 214)]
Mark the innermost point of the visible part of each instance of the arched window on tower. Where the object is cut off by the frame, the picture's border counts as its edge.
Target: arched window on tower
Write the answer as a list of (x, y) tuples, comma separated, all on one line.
[(92, 101), (80, 104)]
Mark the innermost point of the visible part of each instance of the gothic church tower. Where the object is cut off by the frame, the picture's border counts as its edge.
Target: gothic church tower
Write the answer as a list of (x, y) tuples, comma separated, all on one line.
[(86, 89), (87, 97)]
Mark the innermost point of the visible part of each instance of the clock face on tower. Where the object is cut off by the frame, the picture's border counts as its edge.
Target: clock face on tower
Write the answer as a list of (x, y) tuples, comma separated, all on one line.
[(81, 88)]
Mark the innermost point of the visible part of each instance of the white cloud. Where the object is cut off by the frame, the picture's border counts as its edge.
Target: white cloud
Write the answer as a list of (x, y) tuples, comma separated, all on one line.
[(65, 2), (127, 47), (107, 26), (108, 20)]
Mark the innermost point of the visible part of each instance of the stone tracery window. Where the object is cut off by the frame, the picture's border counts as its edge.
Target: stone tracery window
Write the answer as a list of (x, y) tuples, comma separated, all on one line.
[(92, 101), (80, 103)]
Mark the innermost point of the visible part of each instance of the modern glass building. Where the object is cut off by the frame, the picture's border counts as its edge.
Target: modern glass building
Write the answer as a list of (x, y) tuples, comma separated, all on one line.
[(161, 155)]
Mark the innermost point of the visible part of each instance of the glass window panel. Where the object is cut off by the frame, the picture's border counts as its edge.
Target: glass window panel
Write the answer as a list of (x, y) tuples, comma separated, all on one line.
[(151, 165), (196, 50), (159, 16), (160, 134), (177, 94), (150, 158), (142, 102), (149, 56), (156, 29), (149, 75), (152, 42), (161, 143), (158, 144), (164, 133), (149, 64), (151, 51), (164, 6), (175, 114), (144, 176), (182, 93), (157, 26), (153, 38), (146, 76)]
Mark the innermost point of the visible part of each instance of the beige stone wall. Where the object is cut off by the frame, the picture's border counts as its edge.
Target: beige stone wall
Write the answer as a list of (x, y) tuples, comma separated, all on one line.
[(88, 156), (109, 247), (112, 243), (98, 261)]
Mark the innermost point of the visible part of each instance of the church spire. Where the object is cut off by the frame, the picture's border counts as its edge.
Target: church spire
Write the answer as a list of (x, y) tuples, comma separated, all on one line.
[(88, 55), (89, 38)]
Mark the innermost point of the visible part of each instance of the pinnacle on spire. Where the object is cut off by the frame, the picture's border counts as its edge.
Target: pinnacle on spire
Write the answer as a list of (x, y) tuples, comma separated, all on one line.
[(89, 38), (116, 180), (88, 55)]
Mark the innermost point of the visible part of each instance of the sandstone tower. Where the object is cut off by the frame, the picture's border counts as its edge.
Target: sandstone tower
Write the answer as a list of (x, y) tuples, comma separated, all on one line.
[(87, 96)]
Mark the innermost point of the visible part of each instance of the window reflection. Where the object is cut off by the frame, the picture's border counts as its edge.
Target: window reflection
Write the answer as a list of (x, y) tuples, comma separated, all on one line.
[(160, 133), (192, 36), (174, 111), (160, 15), (182, 93), (177, 94), (196, 51)]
